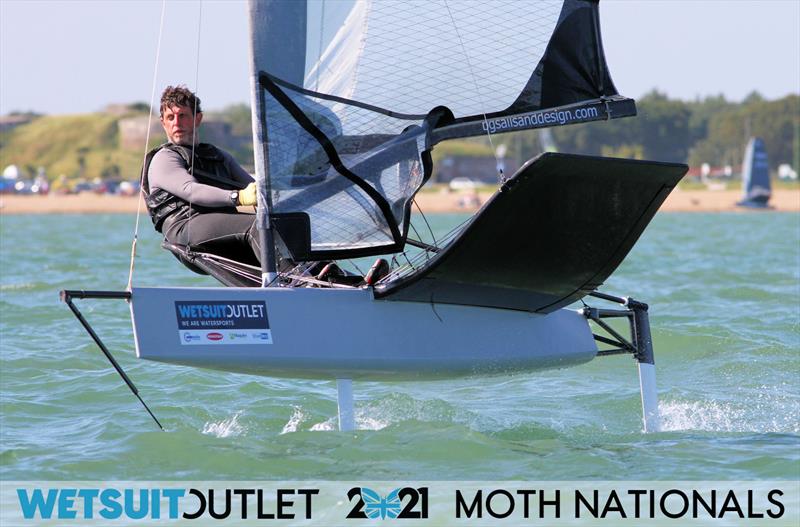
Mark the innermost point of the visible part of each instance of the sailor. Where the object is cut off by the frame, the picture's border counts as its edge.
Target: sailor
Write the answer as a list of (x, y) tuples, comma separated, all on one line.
[(192, 189)]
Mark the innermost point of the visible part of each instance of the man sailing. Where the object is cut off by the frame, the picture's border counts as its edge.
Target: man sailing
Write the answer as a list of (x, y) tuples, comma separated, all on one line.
[(192, 189)]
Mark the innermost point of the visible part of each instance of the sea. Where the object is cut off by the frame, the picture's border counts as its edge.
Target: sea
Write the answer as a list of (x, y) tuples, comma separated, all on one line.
[(724, 296)]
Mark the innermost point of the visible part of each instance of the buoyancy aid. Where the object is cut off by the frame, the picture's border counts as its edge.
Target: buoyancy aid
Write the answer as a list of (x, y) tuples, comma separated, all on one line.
[(208, 168)]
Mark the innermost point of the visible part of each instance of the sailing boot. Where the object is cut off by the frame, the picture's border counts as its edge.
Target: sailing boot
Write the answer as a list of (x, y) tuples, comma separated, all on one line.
[(379, 270)]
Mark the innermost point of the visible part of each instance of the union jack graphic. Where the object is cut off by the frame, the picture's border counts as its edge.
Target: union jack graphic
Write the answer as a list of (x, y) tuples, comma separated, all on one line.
[(376, 507)]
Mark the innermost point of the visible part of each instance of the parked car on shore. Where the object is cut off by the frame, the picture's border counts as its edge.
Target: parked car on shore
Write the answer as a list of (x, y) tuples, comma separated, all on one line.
[(462, 183)]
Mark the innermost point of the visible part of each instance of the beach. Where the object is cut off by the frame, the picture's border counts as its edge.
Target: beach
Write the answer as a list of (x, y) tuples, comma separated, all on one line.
[(678, 201)]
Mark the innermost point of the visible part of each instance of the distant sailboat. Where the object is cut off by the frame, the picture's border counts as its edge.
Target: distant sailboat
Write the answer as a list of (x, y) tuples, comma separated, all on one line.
[(755, 176)]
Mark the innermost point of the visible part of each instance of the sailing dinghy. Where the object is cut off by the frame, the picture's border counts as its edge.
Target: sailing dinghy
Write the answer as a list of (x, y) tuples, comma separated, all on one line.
[(756, 188), (349, 99)]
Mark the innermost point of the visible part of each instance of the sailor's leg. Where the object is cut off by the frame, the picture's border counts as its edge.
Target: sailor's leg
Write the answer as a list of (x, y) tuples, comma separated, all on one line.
[(221, 233), (347, 420)]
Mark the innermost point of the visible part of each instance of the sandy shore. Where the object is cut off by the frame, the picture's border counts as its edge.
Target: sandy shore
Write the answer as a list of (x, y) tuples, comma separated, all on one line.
[(678, 201)]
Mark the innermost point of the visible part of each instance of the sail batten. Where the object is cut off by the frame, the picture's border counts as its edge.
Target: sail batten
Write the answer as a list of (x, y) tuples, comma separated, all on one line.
[(346, 131)]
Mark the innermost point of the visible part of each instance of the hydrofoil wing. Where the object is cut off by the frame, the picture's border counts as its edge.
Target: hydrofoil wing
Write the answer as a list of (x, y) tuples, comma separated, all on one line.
[(553, 233)]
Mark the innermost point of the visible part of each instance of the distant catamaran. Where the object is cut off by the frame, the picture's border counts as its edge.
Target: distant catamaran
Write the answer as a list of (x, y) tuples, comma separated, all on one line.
[(756, 188), (349, 99)]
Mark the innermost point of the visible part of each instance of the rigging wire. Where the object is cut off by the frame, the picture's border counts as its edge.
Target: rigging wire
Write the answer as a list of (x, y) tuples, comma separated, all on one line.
[(411, 265), (355, 265), (499, 165), (416, 233), (424, 255), (146, 145), (319, 47), (194, 110), (425, 218)]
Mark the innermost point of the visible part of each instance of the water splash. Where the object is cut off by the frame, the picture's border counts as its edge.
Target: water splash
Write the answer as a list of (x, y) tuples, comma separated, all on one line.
[(368, 416), (227, 428), (298, 416), (700, 415), (765, 414), (326, 426), (364, 421)]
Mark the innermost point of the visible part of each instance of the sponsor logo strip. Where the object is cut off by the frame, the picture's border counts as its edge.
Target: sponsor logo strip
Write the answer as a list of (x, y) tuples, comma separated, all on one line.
[(387, 503), (225, 336)]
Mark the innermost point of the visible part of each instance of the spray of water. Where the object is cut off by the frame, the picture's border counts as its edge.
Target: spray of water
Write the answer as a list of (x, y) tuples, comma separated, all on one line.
[(227, 428), (327, 425), (364, 421), (297, 418), (768, 412)]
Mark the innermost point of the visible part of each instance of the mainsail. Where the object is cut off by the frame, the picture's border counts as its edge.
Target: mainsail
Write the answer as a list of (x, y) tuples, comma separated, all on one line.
[(351, 96)]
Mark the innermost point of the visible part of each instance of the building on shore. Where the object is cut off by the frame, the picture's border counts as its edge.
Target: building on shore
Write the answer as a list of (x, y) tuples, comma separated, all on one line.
[(9, 122)]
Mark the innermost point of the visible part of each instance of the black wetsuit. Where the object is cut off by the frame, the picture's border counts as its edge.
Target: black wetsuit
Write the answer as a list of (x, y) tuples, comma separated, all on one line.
[(190, 202)]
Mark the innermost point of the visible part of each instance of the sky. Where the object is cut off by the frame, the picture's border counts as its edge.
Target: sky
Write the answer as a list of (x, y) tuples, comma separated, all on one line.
[(77, 56)]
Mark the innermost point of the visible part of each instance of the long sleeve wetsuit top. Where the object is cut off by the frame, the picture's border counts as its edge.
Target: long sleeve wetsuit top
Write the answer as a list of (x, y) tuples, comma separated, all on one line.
[(168, 172)]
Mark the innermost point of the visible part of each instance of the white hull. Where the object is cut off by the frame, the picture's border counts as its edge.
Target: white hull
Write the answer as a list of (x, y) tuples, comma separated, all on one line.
[(347, 334)]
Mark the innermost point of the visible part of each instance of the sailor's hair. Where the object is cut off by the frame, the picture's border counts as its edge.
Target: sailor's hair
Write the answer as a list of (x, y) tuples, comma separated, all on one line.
[(179, 96)]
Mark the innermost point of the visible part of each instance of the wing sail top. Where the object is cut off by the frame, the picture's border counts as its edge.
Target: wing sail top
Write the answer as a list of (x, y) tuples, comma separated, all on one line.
[(350, 97)]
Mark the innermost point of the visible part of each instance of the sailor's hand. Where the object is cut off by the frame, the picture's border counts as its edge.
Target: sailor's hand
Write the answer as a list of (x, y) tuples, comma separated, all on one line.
[(248, 196)]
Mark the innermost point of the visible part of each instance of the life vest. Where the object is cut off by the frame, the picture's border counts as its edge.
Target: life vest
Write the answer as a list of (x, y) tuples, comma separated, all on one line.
[(208, 168)]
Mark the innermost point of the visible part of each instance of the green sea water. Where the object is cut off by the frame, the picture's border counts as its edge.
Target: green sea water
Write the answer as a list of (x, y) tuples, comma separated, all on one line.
[(724, 291)]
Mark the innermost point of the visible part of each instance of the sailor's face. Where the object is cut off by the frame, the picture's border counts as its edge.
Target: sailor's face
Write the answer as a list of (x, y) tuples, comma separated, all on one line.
[(180, 125)]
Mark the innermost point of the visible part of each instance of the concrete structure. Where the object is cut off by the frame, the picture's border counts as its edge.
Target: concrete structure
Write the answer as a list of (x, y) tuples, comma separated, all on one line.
[(133, 131)]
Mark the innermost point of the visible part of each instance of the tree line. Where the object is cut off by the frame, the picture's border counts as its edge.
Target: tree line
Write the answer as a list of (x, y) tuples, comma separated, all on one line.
[(712, 130)]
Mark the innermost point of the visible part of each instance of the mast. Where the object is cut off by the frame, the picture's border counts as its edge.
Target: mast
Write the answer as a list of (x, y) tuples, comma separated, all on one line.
[(282, 49)]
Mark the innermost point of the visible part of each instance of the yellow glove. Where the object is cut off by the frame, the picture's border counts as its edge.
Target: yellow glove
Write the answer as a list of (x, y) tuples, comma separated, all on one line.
[(248, 195)]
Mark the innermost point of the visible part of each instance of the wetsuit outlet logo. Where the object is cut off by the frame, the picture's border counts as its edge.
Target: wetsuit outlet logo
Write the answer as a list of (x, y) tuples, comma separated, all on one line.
[(226, 323), (166, 503)]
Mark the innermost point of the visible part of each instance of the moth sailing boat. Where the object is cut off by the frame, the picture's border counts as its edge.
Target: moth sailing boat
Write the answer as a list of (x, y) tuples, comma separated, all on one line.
[(756, 188), (349, 99)]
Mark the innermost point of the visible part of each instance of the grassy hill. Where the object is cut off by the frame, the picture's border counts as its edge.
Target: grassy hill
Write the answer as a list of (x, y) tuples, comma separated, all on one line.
[(78, 146), (87, 146)]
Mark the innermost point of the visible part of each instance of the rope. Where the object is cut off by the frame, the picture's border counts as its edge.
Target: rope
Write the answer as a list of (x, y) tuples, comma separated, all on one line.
[(146, 144), (478, 92)]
